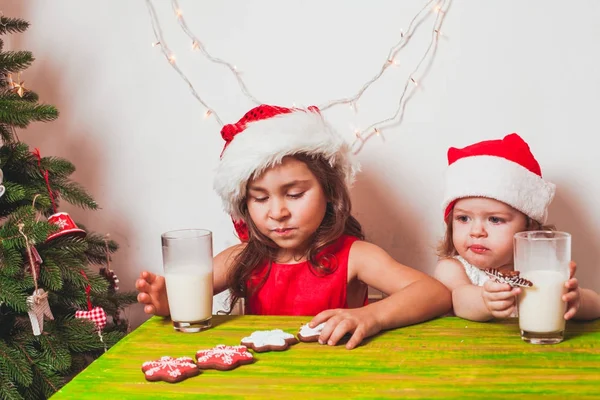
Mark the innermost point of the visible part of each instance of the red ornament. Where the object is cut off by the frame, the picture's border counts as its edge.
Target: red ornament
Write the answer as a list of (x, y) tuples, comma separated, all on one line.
[(97, 315), (67, 226), (37, 261)]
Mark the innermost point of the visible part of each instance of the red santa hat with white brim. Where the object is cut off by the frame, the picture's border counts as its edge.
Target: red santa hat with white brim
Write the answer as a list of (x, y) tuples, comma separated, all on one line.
[(502, 169), (262, 138)]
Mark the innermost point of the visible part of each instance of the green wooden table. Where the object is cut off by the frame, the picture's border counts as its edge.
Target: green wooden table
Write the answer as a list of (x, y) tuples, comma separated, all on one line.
[(447, 357)]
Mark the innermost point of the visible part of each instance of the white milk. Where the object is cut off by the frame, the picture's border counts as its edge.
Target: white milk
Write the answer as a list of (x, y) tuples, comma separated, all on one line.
[(541, 309), (190, 295)]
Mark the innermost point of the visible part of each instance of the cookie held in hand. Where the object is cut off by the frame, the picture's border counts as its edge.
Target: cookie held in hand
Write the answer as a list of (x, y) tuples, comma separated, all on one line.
[(307, 334), (170, 369), (510, 277), (223, 357), (274, 340)]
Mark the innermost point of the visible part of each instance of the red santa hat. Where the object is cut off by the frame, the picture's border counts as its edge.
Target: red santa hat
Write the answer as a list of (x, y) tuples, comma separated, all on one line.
[(262, 138), (502, 169)]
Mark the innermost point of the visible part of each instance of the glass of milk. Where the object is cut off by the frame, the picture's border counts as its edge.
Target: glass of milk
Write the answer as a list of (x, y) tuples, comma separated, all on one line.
[(188, 268), (543, 258)]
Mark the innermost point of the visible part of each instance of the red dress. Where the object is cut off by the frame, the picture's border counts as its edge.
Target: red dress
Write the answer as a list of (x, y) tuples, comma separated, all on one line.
[(299, 289)]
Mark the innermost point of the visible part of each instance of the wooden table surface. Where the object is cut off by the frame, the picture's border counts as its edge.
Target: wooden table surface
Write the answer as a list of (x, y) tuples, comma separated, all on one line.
[(446, 357)]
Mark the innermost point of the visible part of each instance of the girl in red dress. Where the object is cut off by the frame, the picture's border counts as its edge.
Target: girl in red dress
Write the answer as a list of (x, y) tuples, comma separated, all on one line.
[(283, 177)]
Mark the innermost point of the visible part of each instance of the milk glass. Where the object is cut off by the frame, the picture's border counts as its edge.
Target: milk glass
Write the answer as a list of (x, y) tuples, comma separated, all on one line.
[(543, 258), (188, 268)]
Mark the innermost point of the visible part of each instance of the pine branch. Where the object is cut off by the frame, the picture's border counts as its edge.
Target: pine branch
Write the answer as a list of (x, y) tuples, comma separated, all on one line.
[(11, 293), (8, 390), (15, 61), (21, 113), (11, 262), (14, 364), (6, 134), (50, 276), (75, 194), (45, 380), (54, 353), (58, 166), (80, 336), (12, 25)]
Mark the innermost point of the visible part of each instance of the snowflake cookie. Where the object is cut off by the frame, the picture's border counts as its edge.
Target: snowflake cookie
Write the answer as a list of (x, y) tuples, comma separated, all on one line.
[(274, 340), (170, 369), (223, 357), (510, 277), (307, 334)]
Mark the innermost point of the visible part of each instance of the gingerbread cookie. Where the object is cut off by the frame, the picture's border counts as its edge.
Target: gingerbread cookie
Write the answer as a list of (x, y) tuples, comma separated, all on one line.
[(170, 369), (510, 277), (275, 340), (223, 357), (307, 334)]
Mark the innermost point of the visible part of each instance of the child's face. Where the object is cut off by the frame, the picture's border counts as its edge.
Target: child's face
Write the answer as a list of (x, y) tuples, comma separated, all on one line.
[(287, 204), (483, 230)]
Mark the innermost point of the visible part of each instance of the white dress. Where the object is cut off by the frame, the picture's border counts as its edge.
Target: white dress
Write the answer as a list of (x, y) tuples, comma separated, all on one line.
[(477, 276)]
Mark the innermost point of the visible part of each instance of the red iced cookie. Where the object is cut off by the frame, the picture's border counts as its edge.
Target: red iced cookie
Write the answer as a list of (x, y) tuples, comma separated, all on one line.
[(170, 369), (223, 357)]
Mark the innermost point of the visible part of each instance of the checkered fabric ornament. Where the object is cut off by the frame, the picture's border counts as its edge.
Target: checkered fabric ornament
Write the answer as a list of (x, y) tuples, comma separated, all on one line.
[(510, 277), (97, 315)]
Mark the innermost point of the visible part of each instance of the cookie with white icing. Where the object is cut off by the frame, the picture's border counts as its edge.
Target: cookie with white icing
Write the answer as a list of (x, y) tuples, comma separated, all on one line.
[(170, 369), (223, 358), (307, 334), (274, 340)]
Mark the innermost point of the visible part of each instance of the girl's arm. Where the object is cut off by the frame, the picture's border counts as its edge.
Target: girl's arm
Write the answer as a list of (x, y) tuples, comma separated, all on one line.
[(475, 303), (222, 263), (413, 297)]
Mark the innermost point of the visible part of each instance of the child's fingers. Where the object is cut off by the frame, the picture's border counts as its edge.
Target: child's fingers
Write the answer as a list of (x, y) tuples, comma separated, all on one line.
[(502, 305), (144, 298), (499, 296), (492, 286), (321, 317), (571, 312), (149, 309), (572, 283), (141, 285), (356, 339), (570, 296), (328, 329), (572, 269), (148, 277), (504, 313), (340, 330)]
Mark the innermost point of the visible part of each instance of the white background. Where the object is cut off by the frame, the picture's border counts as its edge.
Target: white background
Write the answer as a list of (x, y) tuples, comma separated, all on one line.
[(144, 151)]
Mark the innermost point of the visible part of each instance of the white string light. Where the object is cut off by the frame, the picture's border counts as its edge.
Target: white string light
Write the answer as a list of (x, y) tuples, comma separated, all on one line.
[(202, 48), (375, 129), (171, 58), (436, 6)]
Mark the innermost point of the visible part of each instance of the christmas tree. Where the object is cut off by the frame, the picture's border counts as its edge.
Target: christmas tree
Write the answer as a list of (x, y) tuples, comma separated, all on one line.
[(59, 300)]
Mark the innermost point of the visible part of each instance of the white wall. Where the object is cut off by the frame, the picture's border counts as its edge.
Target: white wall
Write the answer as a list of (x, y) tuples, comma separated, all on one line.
[(143, 149)]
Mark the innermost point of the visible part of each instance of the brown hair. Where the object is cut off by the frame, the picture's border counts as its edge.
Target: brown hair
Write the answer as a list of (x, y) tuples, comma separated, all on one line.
[(260, 249), (446, 247)]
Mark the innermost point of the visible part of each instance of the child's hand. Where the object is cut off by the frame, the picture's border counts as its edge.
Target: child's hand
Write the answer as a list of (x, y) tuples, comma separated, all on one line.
[(358, 321), (153, 293), (572, 297), (499, 298)]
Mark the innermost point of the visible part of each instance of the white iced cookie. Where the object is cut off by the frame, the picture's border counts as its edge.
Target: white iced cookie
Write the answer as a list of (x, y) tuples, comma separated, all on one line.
[(307, 334), (274, 340)]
